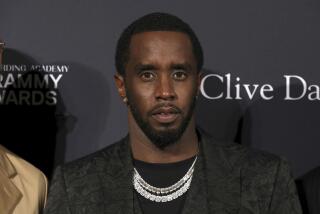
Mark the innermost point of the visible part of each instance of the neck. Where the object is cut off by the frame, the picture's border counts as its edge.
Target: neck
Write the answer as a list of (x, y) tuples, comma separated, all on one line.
[(145, 150)]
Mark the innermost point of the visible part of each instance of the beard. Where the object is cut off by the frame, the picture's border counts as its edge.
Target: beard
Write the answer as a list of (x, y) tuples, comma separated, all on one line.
[(161, 138)]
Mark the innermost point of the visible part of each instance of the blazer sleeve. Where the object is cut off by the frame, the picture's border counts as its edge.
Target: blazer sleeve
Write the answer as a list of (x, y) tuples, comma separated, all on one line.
[(43, 192), (58, 198), (284, 198)]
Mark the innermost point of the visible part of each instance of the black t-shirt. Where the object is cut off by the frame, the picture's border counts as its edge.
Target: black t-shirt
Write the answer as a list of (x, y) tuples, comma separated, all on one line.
[(162, 175)]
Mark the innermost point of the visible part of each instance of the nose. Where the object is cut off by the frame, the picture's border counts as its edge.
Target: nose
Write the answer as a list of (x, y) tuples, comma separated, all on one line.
[(165, 89)]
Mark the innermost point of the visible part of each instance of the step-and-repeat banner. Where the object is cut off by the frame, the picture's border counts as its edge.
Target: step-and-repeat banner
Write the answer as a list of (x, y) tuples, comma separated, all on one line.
[(260, 85)]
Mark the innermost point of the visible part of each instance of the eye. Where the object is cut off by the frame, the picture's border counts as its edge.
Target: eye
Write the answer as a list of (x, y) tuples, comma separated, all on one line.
[(179, 75), (147, 76)]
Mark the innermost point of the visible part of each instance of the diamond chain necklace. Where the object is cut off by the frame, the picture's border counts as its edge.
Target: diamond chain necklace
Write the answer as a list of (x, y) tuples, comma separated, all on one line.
[(163, 194)]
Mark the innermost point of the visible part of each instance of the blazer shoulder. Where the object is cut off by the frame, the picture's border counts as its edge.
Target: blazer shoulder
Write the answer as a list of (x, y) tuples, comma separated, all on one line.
[(256, 166), (30, 181), (262, 159), (82, 181), (244, 157), (95, 162)]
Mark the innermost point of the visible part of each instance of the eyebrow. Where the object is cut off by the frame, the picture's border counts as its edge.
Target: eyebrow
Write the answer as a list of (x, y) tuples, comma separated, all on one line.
[(185, 66), (144, 67)]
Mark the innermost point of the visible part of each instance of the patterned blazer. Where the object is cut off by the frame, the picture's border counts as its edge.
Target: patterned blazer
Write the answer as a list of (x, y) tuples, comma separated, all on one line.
[(228, 179)]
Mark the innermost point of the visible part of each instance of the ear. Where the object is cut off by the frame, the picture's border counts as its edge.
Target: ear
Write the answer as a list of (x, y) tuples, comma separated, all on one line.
[(119, 80), (200, 76)]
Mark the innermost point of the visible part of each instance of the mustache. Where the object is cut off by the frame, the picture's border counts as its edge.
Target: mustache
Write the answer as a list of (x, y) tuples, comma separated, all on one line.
[(159, 106)]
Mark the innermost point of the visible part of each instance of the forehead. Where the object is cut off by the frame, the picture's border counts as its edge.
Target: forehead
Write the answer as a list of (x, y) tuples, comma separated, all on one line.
[(161, 44)]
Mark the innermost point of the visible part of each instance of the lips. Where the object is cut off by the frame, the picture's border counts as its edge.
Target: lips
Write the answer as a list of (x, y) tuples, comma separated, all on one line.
[(165, 114)]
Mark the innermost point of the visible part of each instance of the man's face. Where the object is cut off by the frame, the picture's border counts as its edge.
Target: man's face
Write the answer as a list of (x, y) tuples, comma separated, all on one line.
[(161, 84)]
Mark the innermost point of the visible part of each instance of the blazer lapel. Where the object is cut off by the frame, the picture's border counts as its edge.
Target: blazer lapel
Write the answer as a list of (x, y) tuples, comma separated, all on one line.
[(215, 186), (223, 177), (196, 199), (117, 180), (9, 193)]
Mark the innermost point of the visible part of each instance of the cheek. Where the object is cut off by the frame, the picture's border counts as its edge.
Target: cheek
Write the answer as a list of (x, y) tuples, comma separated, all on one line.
[(141, 96), (187, 93), (142, 93)]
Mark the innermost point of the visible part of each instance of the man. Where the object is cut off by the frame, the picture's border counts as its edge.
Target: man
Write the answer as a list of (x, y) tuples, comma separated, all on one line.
[(309, 189), (166, 164), (23, 188)]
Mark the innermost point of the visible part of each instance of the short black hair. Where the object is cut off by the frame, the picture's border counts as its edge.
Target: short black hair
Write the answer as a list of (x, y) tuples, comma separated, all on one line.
[(155, 22)]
